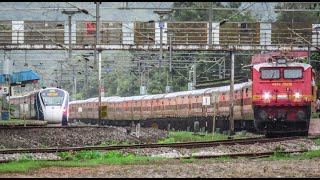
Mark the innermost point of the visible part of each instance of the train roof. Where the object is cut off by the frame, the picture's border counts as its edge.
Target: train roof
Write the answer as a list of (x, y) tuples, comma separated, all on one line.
[(77, 101), (115, 99), (169, 95), (289, 64), (153, 96), (108, 99), (118, 99), (227, 88), (51, 88), (156, 96), (137, 98), (200, 91), (33, 92)]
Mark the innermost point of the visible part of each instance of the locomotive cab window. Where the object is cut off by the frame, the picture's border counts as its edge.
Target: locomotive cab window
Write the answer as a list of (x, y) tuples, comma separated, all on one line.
[(292, 73), (270, 73)]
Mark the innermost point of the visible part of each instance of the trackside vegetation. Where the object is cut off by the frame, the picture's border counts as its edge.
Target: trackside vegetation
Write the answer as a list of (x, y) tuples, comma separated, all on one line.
[(184, 136), (77, 159), (94, 158)]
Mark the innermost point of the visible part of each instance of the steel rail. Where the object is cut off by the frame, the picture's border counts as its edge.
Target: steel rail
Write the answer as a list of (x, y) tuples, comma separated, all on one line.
[(21, 126), (235, 155), (189, 145)]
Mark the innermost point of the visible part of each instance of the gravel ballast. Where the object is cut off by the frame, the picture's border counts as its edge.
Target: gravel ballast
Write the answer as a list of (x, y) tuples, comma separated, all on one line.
[(76, 137)]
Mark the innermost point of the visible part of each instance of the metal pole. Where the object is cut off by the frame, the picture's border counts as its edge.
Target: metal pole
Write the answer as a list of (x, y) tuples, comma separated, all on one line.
[(161, 31), (309, 53), (98, 22), (97, 37), (210, 24), (74, 84), (70, 47), (61, 75), (170, 56), (70, 55), (100, 87), (220, 71), (99, 55), (140, 76), (86, 79), (170, 64), (194, 80), (214, 111), (231, 93), (9, 89), (224, 68)]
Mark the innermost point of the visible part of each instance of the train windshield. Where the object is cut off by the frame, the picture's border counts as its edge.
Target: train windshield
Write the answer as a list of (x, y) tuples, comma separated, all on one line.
[(52, 97), (292, 73), (270, 73)]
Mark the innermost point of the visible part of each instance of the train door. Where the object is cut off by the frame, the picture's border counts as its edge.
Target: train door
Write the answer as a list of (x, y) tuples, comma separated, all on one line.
[(206, 101), (241, 91), (315, 93), (151, 105)]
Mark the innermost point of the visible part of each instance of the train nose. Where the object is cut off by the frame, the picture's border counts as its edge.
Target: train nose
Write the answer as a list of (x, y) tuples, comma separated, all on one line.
[(301, 115)]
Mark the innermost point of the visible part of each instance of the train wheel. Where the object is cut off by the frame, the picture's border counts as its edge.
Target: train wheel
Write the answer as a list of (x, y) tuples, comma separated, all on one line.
[(155, 126), (304, 133)]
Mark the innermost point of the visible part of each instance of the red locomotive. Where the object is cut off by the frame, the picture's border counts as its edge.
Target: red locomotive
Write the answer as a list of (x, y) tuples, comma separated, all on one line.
[(278, 98), (283, 91)]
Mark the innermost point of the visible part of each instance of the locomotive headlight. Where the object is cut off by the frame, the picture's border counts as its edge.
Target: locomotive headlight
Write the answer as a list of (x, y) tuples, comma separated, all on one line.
[(297, 95), (266, 96)]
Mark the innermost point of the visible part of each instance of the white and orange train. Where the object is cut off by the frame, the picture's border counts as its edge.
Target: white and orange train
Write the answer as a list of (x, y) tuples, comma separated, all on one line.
[(180, 109)]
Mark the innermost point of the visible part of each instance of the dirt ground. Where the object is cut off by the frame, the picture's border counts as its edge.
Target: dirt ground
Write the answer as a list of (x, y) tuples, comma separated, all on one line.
[(208, 168)]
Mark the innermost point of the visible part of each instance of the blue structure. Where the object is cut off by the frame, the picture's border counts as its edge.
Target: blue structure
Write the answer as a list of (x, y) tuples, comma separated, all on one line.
[(20, 78)]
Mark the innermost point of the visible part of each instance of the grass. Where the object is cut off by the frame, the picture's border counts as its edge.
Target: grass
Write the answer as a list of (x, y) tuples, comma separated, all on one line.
[(306, 155), (184, 136), (94, 158), (75, 159), (115, 143), (167, 141), (21, 122), (223, 158), (187, 160), (315, 115)]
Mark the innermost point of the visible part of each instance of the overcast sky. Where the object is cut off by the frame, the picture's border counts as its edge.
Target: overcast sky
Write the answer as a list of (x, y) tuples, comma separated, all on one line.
[(8, 11)]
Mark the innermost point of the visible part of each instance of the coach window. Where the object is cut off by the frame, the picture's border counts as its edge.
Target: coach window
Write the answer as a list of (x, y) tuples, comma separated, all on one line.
[(270, 73), (292, 73)]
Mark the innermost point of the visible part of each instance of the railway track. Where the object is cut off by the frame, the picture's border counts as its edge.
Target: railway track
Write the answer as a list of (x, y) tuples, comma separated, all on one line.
[(247, 155), (189, 145), (49, 127)]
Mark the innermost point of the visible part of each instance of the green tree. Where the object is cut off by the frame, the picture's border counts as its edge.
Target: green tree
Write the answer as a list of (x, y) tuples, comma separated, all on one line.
[(202, 15), (298, 16), (302, 17), (157, 81)]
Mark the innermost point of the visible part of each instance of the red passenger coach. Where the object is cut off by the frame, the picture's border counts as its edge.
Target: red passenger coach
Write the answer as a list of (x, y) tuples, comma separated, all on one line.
[(282, 92)]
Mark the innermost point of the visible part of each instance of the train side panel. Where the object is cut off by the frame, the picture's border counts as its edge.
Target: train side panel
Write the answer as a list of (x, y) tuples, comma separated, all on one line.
[(196, 109)]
